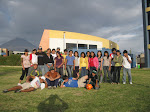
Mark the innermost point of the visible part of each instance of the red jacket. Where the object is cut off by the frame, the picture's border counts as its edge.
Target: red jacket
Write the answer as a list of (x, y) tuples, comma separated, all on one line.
[(95, 62)]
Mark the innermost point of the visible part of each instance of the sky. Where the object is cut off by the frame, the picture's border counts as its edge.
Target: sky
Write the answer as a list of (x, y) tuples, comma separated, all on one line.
[(116, 20)]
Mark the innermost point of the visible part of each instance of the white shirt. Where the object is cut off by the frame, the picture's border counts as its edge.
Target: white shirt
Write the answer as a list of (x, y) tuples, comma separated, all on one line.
[(126, 63), (77, 61), (35, 83), (34, 59), (54, 56)]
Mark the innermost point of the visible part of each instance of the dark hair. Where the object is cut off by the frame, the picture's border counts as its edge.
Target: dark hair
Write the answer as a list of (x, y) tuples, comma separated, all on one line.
[(113, 49), (125, 51), (94, 54), (77, 53), (65, 77), (83, 53), (34, 50), (107, 53), (53, 49), (59, 53), (100, 52), (48, 49), (65, 50), (89, 52), (118, 51), (70, 51)]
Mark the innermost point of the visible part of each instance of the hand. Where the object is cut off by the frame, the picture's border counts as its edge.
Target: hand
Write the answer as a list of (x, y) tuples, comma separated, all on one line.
[(109, 68), (51, 79), (58, 67), (23, 68), (101, 69), (73, 68), (96, 85)]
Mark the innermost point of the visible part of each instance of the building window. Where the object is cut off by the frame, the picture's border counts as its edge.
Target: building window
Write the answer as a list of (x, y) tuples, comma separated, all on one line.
[(148, 3), (70, 46), (149, 18), (92, 46), (82, 46), (149, 36)]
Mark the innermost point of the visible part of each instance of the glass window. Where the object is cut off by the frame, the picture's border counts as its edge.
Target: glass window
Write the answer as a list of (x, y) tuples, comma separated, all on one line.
[(71, 46), (82, 46), (149, 36), (149, 18), (148, 3), (92, 46)]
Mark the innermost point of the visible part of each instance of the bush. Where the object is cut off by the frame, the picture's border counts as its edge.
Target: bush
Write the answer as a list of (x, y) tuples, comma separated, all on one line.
[(12, 60)]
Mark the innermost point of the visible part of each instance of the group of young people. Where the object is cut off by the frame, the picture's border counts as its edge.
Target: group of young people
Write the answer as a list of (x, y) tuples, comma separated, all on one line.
[(51, 68)]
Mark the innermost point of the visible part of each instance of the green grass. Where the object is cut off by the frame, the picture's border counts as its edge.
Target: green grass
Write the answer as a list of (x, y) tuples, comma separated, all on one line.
[(109, 98)]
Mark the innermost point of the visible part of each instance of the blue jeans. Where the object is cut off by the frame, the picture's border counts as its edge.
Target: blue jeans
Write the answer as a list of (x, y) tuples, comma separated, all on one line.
[(106, 70), (69, 70), (125, 70), (52, 83), (42, 68), (83, 71)]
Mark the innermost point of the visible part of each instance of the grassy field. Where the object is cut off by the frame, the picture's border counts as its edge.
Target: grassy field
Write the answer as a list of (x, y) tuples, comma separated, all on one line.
[(109, 98)]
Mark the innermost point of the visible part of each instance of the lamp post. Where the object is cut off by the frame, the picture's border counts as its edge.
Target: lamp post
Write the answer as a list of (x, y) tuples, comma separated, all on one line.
[(64, 43)]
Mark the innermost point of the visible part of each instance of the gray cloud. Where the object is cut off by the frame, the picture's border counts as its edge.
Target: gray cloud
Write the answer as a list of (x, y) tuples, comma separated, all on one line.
[(109, 19)]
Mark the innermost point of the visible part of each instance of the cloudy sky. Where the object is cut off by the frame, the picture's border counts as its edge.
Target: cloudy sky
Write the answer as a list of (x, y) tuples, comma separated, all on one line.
[(117, 20)]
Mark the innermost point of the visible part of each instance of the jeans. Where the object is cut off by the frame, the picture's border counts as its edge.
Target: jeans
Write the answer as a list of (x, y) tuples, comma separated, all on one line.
[(52, 83), (24, 72), (42, 68), (100, 75), (60, 71), (83, 71), (64, 71), (75, 71), (116, 77), (69, 70), (106, 70), (91, 69), (112, 71), (125, 70), (46, 68)]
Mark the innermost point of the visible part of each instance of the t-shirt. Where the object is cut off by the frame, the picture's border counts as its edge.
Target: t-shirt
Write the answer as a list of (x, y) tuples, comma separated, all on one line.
[(112, 57), (70, 60), (34, 59), (93, 78), (77, 61), (35, 83), (26, 61), (126, 63), (54, 56), (71, 83), (59, 61), (91, 62), (41, 58), (34, 72), (106, 61)]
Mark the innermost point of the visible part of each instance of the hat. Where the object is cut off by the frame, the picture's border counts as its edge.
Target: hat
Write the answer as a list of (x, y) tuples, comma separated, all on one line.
[(40, 48), (34, 50), (94, 71), (118, 51), (52, 68), (26, 50)]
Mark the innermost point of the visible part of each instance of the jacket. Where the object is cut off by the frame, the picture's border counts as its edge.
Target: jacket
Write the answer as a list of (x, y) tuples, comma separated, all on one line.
[(95, 62)]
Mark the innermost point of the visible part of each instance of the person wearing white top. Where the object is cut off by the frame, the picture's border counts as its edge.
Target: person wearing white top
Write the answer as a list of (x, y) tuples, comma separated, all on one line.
[(126, 67), (54, 54)]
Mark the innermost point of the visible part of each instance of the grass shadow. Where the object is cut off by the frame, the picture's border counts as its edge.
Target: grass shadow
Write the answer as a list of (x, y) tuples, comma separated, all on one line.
[(52, 104)]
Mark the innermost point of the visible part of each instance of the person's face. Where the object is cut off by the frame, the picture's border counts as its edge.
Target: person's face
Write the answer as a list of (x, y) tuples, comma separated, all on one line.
[(93, 74), (76, 54), (58, 50), (49, 51), (57, 54), (40, 51), (99, 53), (118, 53), (52, 71), (53, 52), (125, 54), (70, 53), (66, 80), (66, 52), (34, 52), (82, 55), (106, 54), (88, 53), (114, 52), (41, 80), (26, 53), (35, 66), (92, 54)]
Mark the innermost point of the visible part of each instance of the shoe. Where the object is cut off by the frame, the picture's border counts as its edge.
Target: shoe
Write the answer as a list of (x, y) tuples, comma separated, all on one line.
[(49, 87), (5, 91), (124, 82), (19, 84), (17, 91), (130, 82), (54, 87)]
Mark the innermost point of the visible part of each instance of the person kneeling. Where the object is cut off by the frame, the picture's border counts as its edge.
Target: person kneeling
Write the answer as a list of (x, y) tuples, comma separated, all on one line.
[(52, 79), (74, 82), (32, 83), (93, 79)]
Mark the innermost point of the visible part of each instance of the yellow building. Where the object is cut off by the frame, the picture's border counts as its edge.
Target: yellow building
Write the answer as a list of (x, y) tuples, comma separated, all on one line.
[(71, 40)]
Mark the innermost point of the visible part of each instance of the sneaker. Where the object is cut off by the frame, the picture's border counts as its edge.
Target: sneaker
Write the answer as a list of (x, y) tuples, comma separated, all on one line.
[(5, 91), (54, 87), (49, 87), (19, 84), (17, 91), (124, 82), (130, 82)]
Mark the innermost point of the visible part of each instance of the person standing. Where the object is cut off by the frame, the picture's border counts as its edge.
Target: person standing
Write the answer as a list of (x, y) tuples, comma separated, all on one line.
[(88, 55), (93, 62), (64, 55), (33, 57), (112, 55), (126, 67), (41, 60), (99, 72), (59, 61), (25, 62), (118, 59), (106, 63), (70, 63), (77, 63), (49, 62), (53, 54), (83, 64)]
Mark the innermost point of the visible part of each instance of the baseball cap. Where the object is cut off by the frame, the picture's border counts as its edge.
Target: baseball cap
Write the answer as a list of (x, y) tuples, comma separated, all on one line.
[(26, 50), (94, 71)]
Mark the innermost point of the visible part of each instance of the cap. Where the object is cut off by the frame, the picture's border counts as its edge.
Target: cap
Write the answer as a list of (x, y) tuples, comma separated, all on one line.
[(94, 71), (40, 48), (26, 50)]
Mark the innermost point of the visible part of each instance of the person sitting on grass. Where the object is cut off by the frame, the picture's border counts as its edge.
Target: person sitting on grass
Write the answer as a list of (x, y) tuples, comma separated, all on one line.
[(32, 83), (74, 82), (52, 79), (93, 79)]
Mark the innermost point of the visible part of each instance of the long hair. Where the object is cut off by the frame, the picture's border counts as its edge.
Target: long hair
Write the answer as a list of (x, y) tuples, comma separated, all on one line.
[(89, 55), (77, 53), (58, 53), (107, 53), (94, 54), (83, 53), (100, 52)]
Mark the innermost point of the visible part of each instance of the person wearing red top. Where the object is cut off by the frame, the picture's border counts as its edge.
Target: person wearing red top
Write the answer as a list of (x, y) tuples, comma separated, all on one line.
[(93, 62)]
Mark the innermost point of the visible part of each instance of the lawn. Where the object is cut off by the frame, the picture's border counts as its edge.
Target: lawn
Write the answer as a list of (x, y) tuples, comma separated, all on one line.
[(109, 98)]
